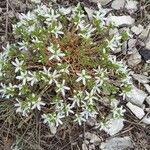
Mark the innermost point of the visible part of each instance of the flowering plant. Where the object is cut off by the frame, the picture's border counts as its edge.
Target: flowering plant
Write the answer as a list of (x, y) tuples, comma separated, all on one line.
[(62, 66)]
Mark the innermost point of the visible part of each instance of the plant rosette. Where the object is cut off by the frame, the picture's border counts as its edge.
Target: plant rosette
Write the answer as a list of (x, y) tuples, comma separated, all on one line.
[(63, 68)]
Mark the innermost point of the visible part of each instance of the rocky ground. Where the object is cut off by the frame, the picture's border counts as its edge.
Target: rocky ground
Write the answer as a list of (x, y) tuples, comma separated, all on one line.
[(135, 133)]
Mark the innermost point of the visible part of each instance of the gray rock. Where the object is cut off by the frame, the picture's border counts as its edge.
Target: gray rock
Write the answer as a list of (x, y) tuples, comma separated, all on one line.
[(141, 78), (131, 5), (137, 29), (104, 2), (147, 87), (137, 111), (134, 59), (118, 4), (120, 20), (145, 32), (131, 44), (136, 96), (89, 12), (148, 100), (117, 143), (146, 119)]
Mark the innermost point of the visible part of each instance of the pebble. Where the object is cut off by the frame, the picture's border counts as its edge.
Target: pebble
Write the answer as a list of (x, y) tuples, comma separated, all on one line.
[(137, 111)]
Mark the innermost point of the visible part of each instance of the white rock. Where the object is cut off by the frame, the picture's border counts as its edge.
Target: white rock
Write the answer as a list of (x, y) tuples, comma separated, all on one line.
[(89, 12), (120, 20), (147, 87), (134, 59), (84, 147), (131, 5), (103, 2), (118, 4), (136, 96), (148, 100), (114, 126), (146, 119), (137, 29), (117, 143), (141, 78), (137, 111)]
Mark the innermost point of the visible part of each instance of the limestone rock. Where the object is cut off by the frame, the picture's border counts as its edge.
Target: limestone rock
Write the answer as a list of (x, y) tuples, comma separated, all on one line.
[(118, 4), (136, 96), (120, 20), (137, 111), (137, 29)]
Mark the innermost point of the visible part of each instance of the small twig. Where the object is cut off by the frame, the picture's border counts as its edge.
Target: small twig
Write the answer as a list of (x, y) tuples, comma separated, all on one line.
[(6, 28)]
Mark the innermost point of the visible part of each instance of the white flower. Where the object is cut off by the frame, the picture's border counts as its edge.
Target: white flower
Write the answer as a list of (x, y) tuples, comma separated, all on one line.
[(18, 65), (96, 88), (50, 76), (27, 17), (90, 97), (89, 111), (77, 98), (118, 112), (23, 45), (64, 69), (61, 87), (65, 11), (100, 75), (36, 40), (51, 16), (66, 109), (100, 17), (23, 107), (53, 119), (77, 14), (56, 52), (57, 30), (33, 78), (83, 77), (114, 43), (7, 91), (86, 31), (23, 77), (36, 103), (79, 118)]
